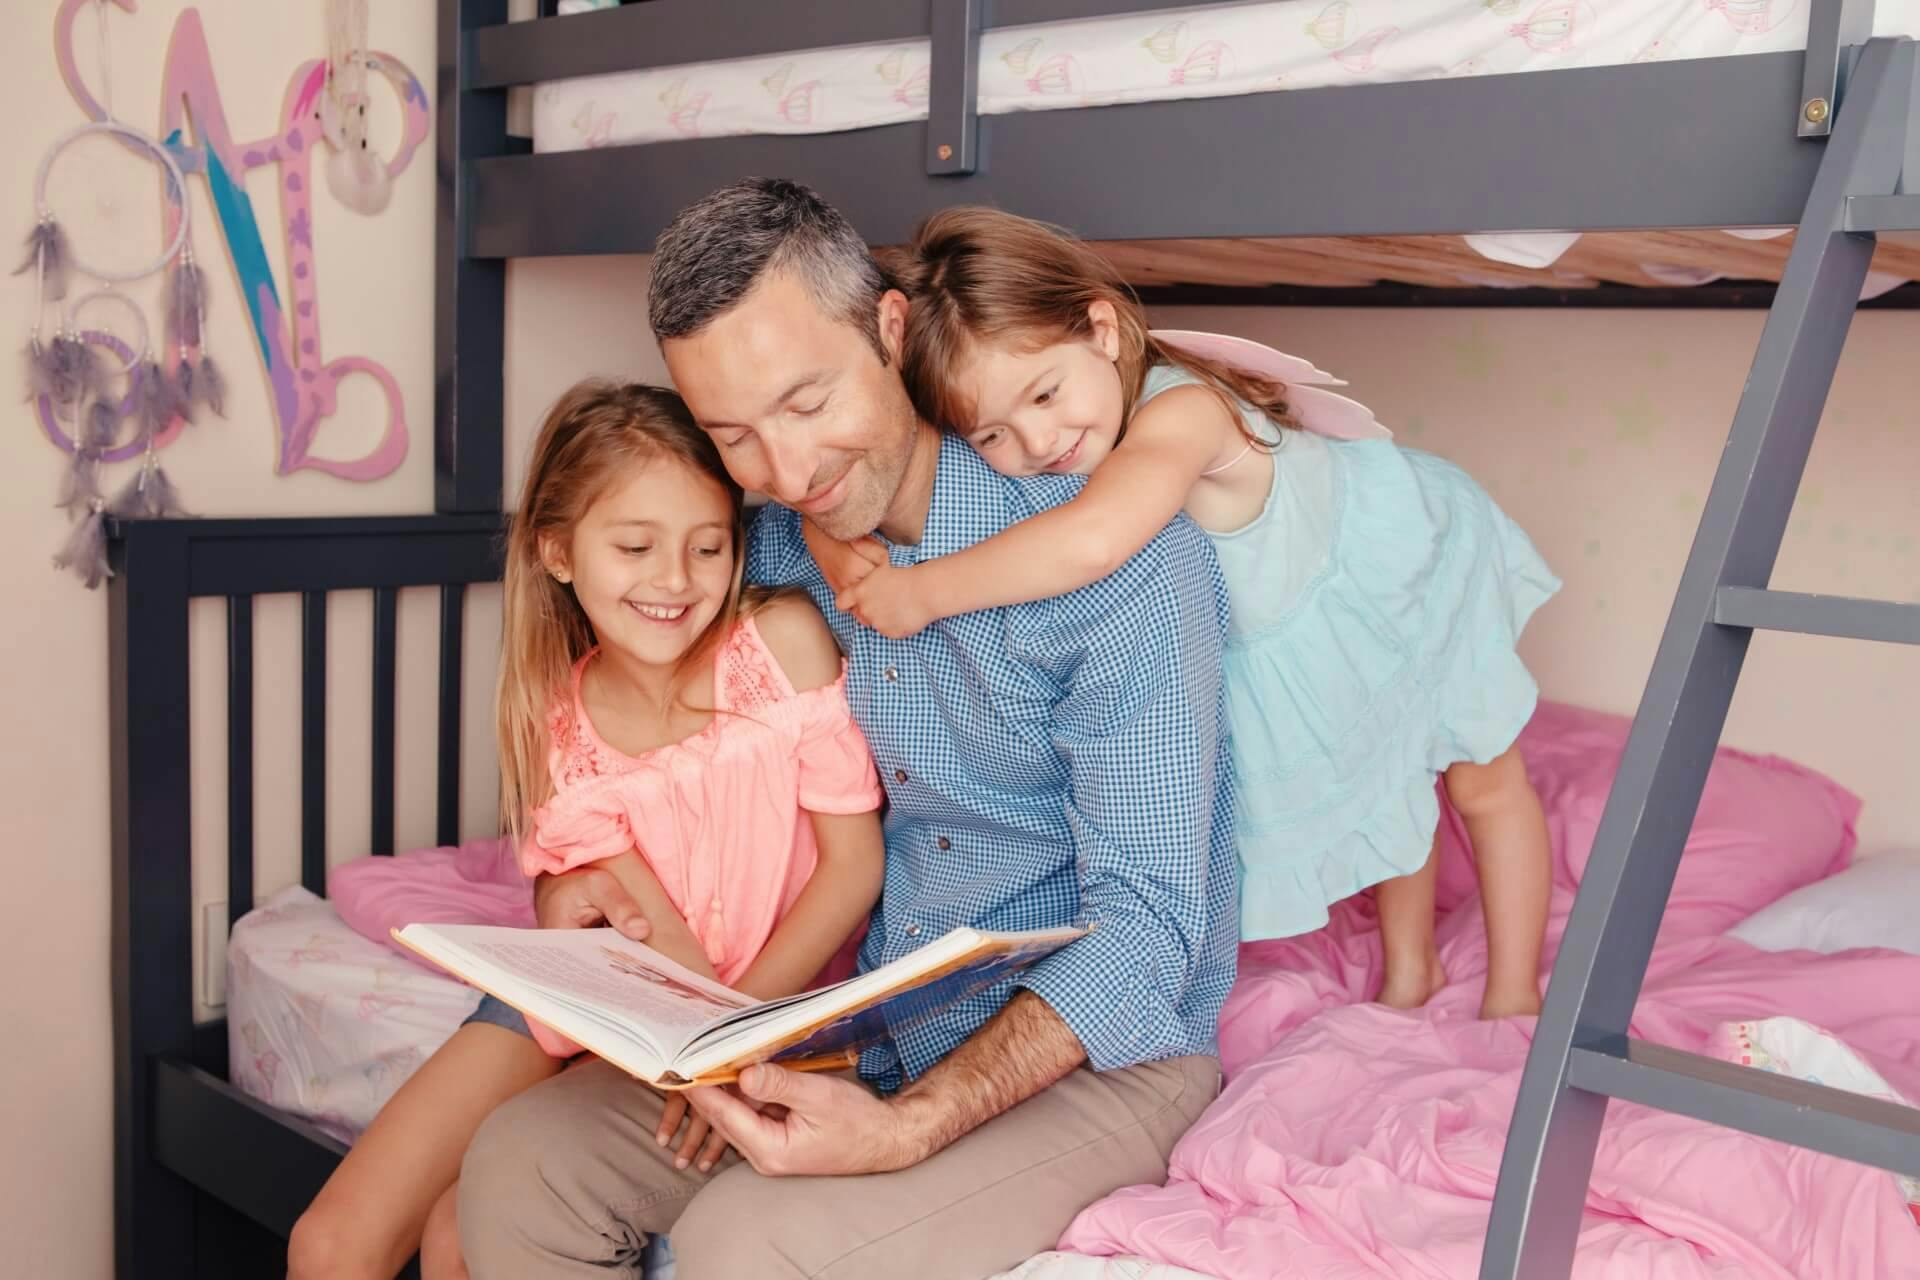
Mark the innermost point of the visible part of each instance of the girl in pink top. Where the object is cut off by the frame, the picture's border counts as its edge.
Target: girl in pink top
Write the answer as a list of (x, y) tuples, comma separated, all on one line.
[(655, 716)]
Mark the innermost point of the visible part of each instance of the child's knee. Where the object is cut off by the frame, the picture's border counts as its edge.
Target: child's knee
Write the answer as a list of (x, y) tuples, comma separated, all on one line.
[(322, 1248), (1480, 789)]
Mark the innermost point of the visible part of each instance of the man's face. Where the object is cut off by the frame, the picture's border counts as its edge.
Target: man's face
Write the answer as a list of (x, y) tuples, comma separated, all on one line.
[(800, 404)]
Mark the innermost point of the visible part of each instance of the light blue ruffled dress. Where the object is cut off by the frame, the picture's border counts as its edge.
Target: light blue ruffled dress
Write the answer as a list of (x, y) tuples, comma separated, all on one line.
[(1376, 601)]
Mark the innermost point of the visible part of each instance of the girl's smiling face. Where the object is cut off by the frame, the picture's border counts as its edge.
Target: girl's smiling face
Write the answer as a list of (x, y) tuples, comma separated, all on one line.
[(1052, 408), (651, 561)]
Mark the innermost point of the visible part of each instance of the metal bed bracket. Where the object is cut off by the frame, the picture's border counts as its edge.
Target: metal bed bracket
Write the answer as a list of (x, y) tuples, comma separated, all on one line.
[(1835, 31), (953, 86), (1582, 1056)]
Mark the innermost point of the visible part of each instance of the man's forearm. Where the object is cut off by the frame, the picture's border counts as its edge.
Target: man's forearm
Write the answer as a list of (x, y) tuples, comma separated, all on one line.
[(1020, 1051)]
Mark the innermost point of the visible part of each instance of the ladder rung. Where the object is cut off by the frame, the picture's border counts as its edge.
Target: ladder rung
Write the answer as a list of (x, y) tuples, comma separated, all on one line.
[(1891, 219), (1817, 615), (1850, 1125), (1883, 213)]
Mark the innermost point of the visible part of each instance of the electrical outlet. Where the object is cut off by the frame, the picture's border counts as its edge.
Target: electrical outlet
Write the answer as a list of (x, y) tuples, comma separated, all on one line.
[(213, 955)]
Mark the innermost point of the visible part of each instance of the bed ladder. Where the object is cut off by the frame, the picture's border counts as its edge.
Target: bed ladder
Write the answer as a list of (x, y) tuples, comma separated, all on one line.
[(1582, 1055)]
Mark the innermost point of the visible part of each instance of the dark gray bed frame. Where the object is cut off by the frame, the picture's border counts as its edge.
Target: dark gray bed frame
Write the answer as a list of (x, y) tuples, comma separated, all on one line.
[(208, 1181)]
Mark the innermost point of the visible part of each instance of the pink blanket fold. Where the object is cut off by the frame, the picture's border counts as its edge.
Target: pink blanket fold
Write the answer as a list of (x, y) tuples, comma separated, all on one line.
[(1357, 1141), (478, 882)]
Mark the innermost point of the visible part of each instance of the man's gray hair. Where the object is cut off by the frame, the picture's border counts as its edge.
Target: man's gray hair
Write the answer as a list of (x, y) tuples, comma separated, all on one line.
[(717, 249)]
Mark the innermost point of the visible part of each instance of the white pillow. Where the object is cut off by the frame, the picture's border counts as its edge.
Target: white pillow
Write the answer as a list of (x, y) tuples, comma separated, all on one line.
[(1873, 903)]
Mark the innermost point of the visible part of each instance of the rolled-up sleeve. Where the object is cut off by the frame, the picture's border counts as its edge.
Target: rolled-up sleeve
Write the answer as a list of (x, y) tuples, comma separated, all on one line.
[(1141, 729)]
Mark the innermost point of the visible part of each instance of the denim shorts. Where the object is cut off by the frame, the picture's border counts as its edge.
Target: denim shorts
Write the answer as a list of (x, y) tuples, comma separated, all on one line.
[(500, 1015)]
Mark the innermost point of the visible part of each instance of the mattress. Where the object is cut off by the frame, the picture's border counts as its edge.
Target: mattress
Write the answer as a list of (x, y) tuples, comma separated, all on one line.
[(323, 1023), (1269, 46), (1206, 51)]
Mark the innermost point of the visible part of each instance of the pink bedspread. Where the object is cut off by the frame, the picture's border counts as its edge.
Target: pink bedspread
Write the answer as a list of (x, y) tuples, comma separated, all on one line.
[(1356, 1141)]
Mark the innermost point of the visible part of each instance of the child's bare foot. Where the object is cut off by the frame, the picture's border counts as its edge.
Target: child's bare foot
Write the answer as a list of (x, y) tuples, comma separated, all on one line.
[(1521, 1003), (1408, 986)]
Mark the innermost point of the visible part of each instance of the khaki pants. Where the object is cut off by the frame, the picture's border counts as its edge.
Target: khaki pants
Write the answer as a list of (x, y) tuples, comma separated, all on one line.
[(566, 1180)]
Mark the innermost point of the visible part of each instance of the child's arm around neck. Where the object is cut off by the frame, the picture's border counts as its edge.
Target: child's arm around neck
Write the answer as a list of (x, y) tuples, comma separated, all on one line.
[(1141, 486)]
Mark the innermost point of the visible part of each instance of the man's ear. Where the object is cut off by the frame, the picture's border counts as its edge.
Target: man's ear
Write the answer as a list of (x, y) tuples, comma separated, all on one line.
[(892, 314), (1106, 327), (554, 559)]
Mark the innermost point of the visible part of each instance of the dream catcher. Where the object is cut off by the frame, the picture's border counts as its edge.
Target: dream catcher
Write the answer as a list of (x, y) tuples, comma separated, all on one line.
[(94, 363), (356, 174)]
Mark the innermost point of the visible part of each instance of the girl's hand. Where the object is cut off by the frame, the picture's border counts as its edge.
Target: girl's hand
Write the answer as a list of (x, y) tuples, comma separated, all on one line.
[(844, 564), (889, 601), (701, 1143)]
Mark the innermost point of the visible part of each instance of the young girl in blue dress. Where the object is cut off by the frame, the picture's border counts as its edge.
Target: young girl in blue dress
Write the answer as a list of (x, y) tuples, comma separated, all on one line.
[(1377, 592)]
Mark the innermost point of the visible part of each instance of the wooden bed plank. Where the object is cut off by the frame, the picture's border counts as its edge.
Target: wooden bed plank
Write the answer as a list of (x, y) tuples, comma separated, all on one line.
[(1606, 257), (238, 1149), (261, 1163)]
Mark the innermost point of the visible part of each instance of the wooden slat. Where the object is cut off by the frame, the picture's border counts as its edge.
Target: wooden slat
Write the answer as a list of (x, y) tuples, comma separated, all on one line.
[(1620, 257), (452, 621), (313, 741), (239, 757), (386, 617)]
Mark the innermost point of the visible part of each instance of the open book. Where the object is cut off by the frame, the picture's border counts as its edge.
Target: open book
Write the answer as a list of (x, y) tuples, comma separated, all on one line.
[(672, 1028)]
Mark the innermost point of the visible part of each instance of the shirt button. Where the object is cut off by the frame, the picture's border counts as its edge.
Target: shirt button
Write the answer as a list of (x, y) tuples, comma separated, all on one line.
[(913, 931), (899, 775), (944, 844), (890, 675)]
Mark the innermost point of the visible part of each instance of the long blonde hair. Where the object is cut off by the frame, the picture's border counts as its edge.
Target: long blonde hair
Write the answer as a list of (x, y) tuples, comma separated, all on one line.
[(973, 272), (590, 437)]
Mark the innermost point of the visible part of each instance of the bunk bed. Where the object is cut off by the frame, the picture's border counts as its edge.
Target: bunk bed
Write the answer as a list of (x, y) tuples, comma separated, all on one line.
[(1811, 136)]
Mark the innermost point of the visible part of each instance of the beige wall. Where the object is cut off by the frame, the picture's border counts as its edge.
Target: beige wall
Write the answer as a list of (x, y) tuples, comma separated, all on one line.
[(375, 282), (1597, 431)]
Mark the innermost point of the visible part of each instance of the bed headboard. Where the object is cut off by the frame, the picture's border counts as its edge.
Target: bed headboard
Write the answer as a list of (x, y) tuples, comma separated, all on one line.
[(159, 568)]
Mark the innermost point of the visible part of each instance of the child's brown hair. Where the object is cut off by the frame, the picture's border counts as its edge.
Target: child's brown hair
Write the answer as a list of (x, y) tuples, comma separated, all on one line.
[(590, 437), (974, 273)]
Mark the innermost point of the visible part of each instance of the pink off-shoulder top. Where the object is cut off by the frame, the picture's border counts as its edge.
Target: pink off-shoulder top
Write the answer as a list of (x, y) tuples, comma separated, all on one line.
[(720, 816)]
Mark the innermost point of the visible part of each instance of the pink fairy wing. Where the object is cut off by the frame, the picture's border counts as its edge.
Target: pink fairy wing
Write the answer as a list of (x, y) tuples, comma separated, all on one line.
[(1245, 353), (1328, 413), (1324, 413)]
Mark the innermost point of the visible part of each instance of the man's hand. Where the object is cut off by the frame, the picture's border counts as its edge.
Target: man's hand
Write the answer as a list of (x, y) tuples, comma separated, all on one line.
[(843, 564), (812, 1125), (887, 601), (585, 898)]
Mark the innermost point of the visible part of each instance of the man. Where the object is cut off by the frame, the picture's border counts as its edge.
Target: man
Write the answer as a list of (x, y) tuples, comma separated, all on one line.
[(1048, 763)]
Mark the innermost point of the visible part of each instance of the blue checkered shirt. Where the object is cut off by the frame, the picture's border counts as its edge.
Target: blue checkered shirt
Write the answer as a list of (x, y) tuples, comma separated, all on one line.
[(1045, 764)]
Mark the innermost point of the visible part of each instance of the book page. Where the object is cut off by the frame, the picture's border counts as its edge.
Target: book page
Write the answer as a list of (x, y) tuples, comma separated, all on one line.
[(616, 974)]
